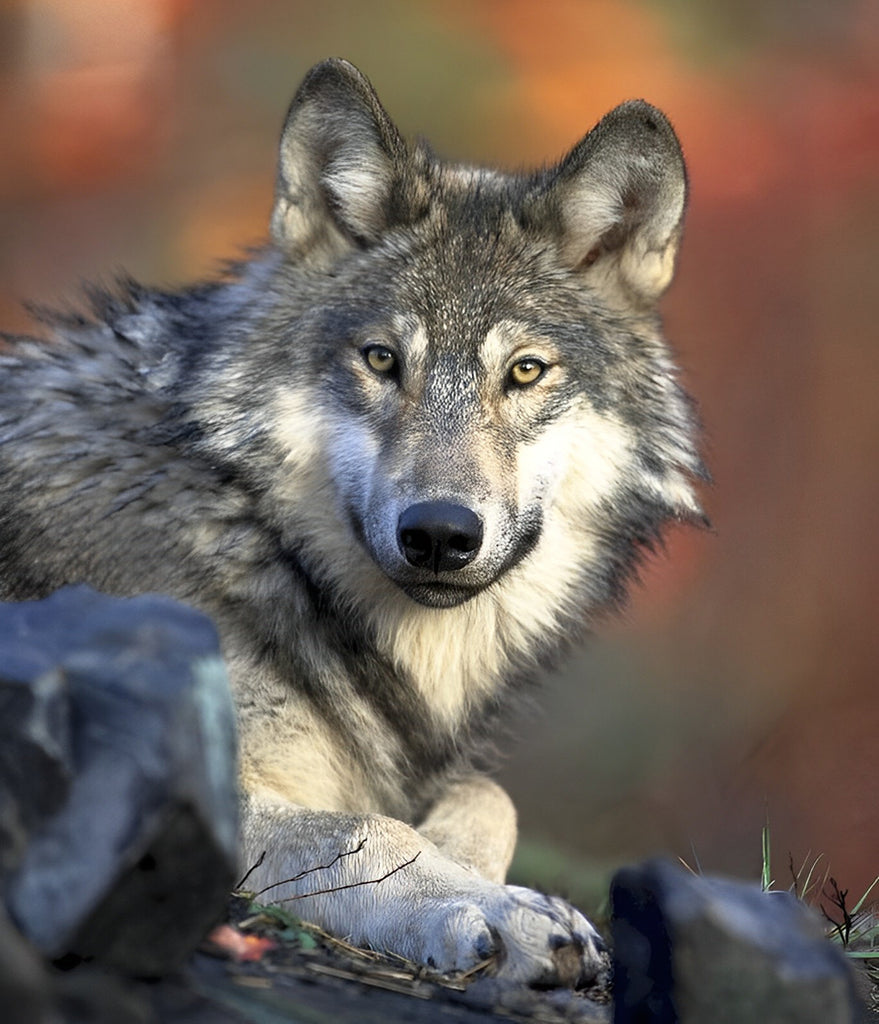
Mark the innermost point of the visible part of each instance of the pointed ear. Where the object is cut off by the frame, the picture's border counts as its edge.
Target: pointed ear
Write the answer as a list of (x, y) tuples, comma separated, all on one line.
[(336, 168), (617, 201)]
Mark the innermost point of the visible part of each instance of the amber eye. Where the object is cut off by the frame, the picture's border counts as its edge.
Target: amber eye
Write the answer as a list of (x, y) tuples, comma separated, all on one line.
[(380, 358), (526, 371)]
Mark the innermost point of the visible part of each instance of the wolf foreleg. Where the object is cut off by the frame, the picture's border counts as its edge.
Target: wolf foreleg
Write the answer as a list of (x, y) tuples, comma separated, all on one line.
[(474, 823), (380, 883)]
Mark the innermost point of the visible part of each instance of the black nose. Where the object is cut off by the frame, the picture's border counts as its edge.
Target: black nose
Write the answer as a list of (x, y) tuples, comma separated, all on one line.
[(438, 535)]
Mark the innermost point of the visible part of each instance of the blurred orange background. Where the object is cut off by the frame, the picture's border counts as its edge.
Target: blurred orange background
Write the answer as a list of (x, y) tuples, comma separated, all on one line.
[(741, 683)]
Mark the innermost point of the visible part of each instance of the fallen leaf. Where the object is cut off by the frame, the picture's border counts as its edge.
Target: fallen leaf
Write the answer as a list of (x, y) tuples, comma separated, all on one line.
[(230, 942)]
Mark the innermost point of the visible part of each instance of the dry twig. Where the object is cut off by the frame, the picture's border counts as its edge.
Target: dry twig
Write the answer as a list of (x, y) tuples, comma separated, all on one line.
[(311, 871), (251, 870), (351, 885), (838, 898)]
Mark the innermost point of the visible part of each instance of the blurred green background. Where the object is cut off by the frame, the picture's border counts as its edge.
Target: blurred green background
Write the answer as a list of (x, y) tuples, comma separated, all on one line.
[(740, 683)]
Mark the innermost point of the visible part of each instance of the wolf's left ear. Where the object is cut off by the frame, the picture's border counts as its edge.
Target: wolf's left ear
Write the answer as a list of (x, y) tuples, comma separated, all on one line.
[(617, 201), (336, 168)]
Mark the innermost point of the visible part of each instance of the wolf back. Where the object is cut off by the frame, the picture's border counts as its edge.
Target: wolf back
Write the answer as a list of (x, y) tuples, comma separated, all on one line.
[(402, 455)]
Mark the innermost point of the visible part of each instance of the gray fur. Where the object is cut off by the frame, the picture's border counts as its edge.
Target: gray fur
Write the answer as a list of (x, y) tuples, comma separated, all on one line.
[(229, 444)]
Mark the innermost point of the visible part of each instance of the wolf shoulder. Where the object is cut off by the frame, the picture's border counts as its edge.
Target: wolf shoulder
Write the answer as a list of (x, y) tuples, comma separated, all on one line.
[(98, 479)]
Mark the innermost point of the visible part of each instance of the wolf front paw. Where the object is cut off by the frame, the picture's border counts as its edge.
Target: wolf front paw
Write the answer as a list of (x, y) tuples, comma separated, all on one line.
[(544, 941), (527, 937)]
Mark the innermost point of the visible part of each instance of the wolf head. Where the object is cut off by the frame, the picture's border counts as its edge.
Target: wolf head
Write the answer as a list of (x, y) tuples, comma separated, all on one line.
[(470, 385)]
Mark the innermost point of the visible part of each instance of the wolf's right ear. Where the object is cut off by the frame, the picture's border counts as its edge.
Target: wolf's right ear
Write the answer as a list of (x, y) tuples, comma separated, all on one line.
[(336, 169), (616, 203)]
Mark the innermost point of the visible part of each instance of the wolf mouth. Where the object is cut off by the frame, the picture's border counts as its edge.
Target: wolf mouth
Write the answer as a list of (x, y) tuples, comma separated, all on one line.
[(437, 594)]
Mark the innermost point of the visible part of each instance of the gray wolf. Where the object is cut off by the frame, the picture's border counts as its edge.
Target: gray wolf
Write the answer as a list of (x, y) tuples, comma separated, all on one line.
[(402, 455)]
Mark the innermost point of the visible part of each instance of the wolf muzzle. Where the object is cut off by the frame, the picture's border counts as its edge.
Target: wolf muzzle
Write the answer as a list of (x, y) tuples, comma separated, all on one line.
[(439, 535)]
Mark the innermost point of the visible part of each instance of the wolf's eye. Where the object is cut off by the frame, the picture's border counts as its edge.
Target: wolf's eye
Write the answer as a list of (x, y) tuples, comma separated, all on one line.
[(380, 358), (525, 372)]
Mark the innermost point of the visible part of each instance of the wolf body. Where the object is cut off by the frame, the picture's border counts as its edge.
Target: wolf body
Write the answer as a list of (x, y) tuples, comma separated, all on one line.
[(402, 455)]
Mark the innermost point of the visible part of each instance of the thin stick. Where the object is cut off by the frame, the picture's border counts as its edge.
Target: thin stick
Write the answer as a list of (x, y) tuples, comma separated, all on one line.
[(311, 871), (251, 870), (352, 885), (837, 898)]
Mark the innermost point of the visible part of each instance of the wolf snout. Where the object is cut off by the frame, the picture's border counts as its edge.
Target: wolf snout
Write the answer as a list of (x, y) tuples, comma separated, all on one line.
[(439, 535)]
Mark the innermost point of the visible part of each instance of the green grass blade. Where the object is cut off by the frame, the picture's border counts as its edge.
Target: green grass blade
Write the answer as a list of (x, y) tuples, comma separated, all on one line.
[(766, 872), (863, 899)]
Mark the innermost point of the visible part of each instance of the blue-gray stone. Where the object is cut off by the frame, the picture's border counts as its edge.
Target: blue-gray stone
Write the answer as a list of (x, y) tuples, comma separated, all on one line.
[(701, 950), (134, 864)]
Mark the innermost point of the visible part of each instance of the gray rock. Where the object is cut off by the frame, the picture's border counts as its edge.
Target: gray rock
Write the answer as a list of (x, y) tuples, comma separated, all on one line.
[(36, 762), (93, 995), (13, 834), (700, 950), (134, 866), (25, 989)]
